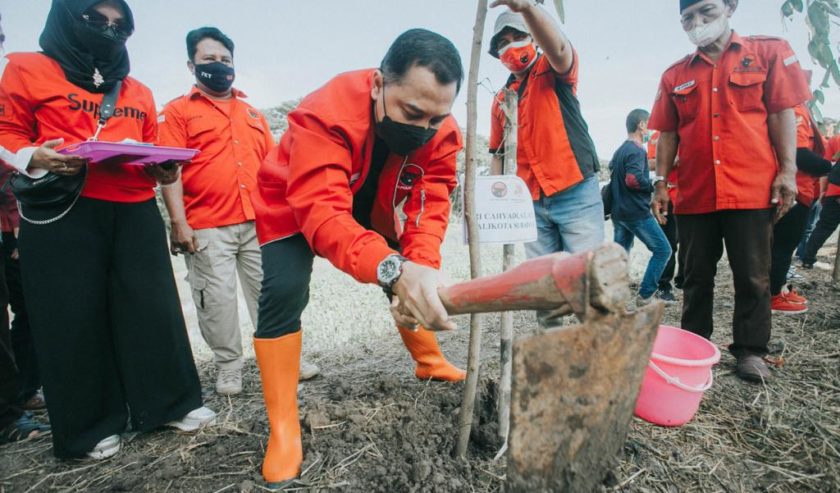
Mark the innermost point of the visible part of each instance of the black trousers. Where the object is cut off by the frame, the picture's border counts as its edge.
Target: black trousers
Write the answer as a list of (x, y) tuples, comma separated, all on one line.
[(9, 381), (23, 346), (107, 323), (828, 222), (747, 235), (674, 263), (786, 236), (287, 270)]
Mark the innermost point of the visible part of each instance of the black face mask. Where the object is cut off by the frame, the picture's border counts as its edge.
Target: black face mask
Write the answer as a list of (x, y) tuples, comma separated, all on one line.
[(402, 138), (106, 44), (216, 76)]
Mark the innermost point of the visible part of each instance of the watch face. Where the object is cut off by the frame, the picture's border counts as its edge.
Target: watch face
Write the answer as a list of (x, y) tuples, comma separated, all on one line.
[(387, 270)]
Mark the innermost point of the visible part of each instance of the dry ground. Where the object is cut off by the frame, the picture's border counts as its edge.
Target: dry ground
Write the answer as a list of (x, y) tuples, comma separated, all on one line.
[(370, 426)]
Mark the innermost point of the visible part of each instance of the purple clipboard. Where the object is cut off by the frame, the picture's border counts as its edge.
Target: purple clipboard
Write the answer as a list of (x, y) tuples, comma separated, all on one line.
[(124, 153)]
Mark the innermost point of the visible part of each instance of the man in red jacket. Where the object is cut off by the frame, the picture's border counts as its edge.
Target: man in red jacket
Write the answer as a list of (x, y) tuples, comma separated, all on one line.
[(357, 148)]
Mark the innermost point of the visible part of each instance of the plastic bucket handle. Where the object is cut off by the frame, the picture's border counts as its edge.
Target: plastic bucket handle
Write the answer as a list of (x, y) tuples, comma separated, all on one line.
[(675, 381)]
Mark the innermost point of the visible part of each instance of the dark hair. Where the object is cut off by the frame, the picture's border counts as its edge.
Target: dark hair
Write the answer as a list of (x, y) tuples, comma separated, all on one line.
[(423, 48), (636, 117), (198, 35)]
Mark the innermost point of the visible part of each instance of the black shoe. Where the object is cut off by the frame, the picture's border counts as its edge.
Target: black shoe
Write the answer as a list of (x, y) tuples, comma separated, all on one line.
[(752, 368), (665, 295), (807, 265)]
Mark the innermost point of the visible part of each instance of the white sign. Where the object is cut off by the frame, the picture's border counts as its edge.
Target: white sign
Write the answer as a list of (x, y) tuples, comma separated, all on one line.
[(504, 210)]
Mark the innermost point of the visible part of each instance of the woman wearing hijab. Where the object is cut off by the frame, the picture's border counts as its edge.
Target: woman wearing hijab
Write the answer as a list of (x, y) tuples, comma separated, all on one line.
[(105, 312)]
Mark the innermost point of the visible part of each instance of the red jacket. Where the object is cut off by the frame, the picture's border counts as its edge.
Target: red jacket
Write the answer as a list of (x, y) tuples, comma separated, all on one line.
[(38, 103), (306, 183), (808, 137)]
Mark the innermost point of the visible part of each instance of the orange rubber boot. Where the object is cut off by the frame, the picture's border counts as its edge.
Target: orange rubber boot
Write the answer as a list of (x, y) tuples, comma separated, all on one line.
[(423, 346), (279, 362)]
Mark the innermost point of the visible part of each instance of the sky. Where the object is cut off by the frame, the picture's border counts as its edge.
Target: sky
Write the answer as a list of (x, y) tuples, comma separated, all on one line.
[(286, 49)]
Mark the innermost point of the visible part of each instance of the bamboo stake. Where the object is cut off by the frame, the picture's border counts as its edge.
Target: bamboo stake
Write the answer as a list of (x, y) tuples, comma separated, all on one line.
[(468, 402), (511, 111), (837, 262)]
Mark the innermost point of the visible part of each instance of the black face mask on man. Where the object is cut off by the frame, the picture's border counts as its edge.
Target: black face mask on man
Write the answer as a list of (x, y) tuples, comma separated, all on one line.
[(402, 138), (216, 76)]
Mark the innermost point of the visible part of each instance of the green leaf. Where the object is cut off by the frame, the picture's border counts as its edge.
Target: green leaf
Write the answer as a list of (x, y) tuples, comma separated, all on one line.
[(787, 9), (835, 72), (818, 17), (815, 111), (561, 12), (819, 96)]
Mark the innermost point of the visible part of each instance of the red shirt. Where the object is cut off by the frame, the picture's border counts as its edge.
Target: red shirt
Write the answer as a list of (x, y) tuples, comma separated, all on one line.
[(554, 150), (807, 137), (9, 215), (719, 111), (37, 104), (671, 179), (832, 152), (832, 149), (307, 182), (233, 138)]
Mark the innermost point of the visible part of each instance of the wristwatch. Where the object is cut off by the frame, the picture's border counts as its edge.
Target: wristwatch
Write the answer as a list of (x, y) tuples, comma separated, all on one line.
[(389, 270), (657, 179)]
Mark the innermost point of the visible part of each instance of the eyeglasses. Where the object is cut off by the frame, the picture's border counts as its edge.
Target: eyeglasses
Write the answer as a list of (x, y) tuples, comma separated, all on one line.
[(99, 22)]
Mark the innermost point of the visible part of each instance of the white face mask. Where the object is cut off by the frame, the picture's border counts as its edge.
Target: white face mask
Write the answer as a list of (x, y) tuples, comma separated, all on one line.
[(706, 34)]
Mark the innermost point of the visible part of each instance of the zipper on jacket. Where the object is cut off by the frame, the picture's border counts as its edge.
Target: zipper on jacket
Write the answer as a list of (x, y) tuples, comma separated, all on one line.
[(422, 206), (397, 184)]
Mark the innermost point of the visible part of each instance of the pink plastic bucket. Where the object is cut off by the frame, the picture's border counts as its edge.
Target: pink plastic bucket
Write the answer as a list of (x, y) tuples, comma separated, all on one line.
[(679, 372)]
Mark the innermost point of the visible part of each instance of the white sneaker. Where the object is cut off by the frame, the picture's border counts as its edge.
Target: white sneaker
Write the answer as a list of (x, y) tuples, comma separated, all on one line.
[(107, 447), (229, 382), (195, 419), (308, 370)]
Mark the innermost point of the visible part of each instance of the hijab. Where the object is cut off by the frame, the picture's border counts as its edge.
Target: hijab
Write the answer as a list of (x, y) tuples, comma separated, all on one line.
[(93, 59)]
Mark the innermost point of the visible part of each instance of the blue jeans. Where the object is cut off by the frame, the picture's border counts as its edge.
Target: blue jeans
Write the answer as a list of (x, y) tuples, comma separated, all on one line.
[(649, 232), (569, 221), (809, 228)]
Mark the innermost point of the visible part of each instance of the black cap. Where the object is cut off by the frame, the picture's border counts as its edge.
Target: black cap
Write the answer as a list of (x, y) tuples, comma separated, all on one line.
[(684, 4)]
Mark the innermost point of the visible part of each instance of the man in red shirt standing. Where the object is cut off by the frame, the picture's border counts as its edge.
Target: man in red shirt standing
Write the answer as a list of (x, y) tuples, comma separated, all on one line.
[(788, 232), (210, 207), (829, 217), (728, 109)]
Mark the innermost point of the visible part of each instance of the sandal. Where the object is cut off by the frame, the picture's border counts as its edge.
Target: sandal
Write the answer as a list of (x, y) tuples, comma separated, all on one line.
[(24, 428), (35, 403)]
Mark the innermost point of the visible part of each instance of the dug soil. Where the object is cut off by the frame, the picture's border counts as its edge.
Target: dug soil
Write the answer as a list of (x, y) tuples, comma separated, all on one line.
[(369, 425)]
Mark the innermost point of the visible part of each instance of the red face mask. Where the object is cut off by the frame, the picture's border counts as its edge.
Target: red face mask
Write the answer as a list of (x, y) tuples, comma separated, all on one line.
[(518, 56)]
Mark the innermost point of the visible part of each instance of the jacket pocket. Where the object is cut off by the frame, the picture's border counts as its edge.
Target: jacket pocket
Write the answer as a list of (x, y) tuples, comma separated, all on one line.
[(747, 90)]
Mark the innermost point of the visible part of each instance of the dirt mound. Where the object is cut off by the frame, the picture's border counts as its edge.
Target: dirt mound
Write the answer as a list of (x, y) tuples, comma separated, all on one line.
[(369, 425)]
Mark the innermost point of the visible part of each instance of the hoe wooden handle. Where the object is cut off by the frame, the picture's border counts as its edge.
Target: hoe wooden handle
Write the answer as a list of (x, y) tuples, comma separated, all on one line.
[(559, 282)]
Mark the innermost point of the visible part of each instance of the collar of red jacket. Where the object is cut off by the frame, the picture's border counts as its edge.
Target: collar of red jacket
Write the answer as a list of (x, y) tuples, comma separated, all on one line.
[(236, 93)]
